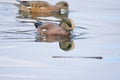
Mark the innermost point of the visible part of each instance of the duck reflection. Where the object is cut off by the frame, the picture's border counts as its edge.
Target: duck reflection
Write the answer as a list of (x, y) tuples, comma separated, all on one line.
[(36, 15), (34, 9), (65, 43)]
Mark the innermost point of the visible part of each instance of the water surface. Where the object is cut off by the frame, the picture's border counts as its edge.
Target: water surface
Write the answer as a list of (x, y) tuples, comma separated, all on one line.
[(22, 58)]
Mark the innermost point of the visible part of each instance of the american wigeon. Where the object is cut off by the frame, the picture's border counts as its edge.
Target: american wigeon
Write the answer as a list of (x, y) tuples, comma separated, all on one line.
[(43, 6), (53, 29)]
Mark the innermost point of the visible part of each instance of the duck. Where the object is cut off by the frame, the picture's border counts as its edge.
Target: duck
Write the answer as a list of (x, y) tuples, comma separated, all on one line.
[(63, 29), (43, 7)]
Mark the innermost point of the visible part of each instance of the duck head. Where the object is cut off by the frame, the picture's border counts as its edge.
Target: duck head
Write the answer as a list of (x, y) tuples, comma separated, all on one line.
[(62, 6), (67, 24)]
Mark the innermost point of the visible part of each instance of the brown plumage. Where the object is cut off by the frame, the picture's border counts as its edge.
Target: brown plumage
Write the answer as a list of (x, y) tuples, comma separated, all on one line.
[(43, 6), (54, 29)]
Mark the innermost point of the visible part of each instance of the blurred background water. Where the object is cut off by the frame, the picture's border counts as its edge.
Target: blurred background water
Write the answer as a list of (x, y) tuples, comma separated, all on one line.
[(22, 58)]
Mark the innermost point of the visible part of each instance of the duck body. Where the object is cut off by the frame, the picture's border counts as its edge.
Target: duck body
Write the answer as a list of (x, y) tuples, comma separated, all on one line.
[(43, 7), (52, 29), (64, 28)]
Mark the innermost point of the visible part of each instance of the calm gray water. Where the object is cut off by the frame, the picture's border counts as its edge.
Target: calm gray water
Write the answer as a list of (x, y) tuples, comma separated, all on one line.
[(22, 58)]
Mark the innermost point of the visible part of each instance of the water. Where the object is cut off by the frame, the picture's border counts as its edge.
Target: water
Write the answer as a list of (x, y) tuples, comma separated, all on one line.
[(22, 58)]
